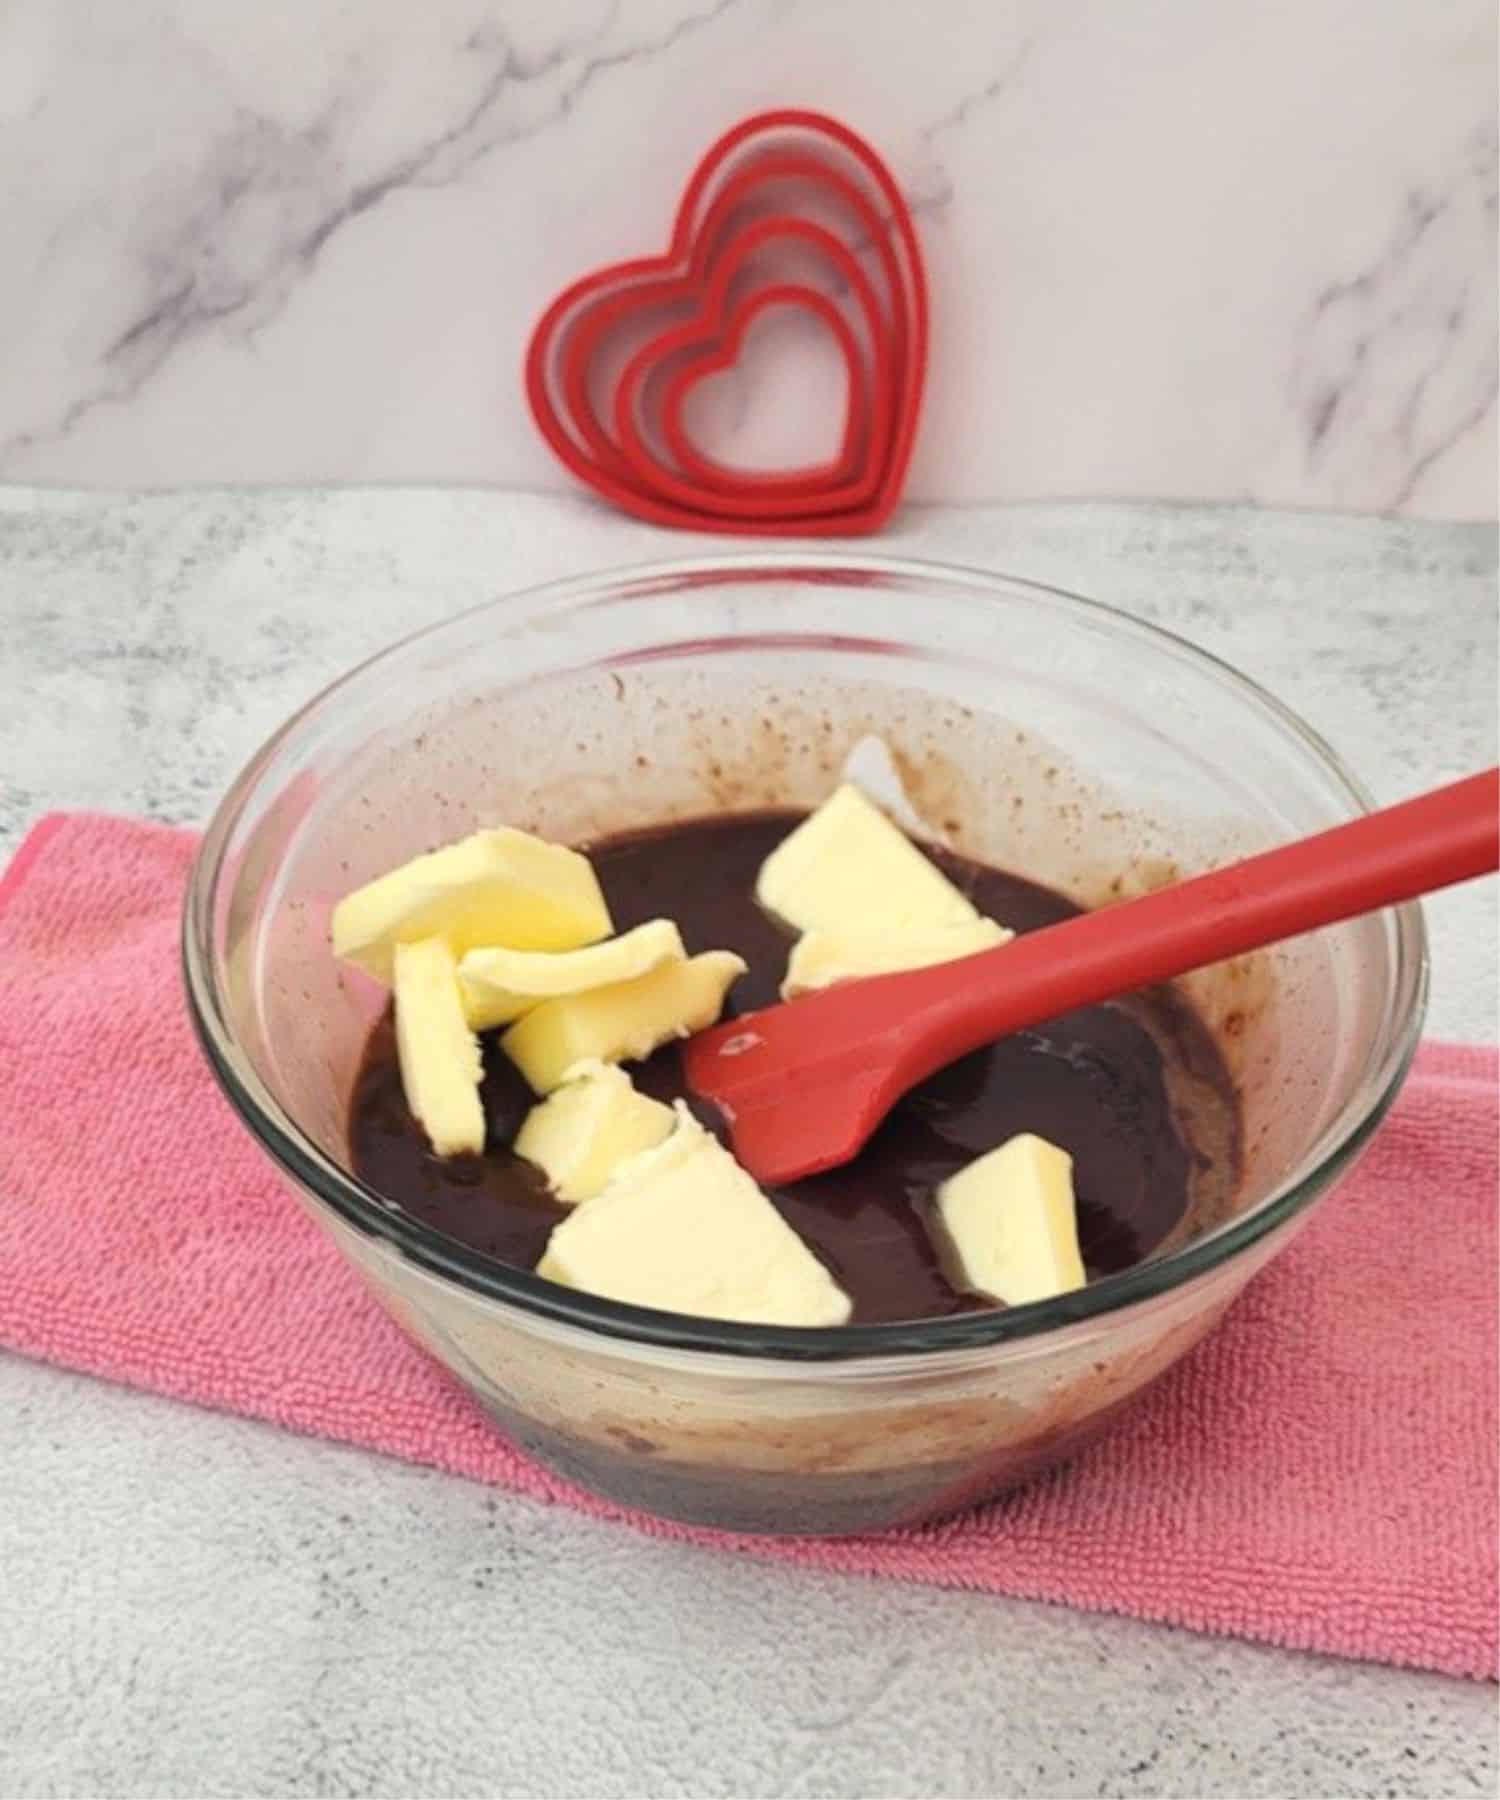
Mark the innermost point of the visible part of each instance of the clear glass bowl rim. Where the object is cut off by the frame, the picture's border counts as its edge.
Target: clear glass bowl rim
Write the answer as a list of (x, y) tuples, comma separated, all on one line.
[(359, 1206)]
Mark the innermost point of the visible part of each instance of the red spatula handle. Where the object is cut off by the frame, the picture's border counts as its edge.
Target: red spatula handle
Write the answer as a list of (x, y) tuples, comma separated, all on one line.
[(1450, 835)]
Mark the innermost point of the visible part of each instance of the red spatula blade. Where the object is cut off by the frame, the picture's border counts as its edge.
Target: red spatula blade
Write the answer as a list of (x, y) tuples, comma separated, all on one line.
[(782, 1146), (802, 1085)]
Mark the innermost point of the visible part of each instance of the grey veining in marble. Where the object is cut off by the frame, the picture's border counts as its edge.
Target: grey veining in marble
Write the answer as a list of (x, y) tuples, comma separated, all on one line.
[(197, 1605), (1219, 252)]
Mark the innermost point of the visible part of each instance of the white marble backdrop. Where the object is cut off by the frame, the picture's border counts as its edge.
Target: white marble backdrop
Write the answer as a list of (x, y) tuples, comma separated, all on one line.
[(1204, 249)]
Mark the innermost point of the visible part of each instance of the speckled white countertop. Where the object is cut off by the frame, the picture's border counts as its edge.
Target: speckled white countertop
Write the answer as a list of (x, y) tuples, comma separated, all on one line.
[(196, 1605)]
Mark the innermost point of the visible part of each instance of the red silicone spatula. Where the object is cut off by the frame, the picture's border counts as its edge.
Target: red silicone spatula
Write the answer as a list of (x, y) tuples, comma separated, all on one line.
[(803, 1085)]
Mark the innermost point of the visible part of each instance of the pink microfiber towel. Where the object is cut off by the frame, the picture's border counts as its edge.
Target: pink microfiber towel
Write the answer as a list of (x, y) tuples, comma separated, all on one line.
[(1320, 1473)]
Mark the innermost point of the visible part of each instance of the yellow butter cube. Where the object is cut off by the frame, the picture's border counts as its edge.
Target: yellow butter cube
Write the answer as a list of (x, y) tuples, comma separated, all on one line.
[(584, 1130), (821, 959), (685, 1229), (1010, 1222), (623, 1022), (500, 985), (847, 866), (494, 887), (439, 1055)]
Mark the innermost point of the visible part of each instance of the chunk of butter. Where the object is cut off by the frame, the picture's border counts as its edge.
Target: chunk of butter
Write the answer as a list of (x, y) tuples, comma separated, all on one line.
[(438, 1054), (581, 1133), (499, 985), (622, 1022), (684, 1228), (495, 887), (848, 865), (820, 959), (1010, 1222)]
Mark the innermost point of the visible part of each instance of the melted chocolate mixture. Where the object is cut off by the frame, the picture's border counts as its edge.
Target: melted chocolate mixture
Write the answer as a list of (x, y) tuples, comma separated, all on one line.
[(1137, 1093)]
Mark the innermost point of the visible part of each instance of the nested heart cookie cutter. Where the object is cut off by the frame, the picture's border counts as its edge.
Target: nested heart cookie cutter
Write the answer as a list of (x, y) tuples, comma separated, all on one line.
[(614, 360)]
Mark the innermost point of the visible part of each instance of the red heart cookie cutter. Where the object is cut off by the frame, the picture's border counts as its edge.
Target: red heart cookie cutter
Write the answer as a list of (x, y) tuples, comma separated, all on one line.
[(789, 209)]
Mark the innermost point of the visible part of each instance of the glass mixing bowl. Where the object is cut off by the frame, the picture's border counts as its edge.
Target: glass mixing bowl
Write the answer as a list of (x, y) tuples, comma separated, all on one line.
[(1032, 729)]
